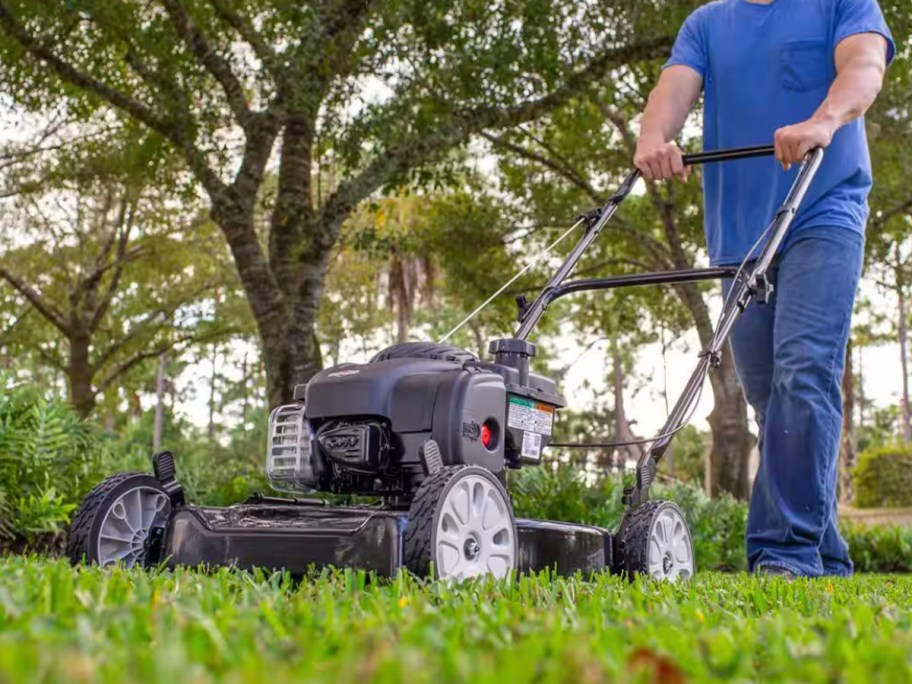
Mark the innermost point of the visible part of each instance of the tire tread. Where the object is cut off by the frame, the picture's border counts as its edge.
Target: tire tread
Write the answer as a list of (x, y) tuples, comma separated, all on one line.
[(78, 536)]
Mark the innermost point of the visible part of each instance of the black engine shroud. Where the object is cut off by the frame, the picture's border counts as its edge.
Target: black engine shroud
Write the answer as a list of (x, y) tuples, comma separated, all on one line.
[(372, 421)]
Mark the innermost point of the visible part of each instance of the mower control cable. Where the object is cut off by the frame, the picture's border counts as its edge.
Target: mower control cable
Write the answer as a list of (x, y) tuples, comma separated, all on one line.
[(535, 261)]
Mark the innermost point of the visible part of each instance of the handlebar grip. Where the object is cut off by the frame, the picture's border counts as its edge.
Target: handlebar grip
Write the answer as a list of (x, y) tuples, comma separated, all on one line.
[(729, 154)]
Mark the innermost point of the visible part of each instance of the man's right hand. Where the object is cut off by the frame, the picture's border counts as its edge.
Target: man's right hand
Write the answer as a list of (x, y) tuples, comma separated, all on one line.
[(658, 160)]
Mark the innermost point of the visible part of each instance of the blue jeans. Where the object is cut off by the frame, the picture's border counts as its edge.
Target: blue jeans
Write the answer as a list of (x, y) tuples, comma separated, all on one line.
[(790, 357)]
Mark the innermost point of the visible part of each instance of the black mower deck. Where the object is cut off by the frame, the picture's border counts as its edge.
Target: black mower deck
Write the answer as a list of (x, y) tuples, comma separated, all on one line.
[(295, 537)]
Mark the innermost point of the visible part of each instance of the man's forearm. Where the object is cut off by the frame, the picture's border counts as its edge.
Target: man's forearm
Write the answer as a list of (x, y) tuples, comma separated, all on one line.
[(665, 113), (860, 64), (852, 93), (669, 104)]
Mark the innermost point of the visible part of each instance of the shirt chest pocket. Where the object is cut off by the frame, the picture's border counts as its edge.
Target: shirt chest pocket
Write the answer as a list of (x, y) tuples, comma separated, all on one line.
[(806, 65)]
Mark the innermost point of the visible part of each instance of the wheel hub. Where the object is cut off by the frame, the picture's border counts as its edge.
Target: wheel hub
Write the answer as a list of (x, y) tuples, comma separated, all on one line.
[(471, 549)]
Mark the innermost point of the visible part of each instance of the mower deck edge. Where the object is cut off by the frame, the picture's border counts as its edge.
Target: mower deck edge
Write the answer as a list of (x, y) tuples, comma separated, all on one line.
[(295, 538)]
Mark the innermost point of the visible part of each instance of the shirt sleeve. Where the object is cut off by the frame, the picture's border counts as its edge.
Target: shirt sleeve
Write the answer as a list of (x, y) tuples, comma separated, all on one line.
[(862, 16), (689, 48)]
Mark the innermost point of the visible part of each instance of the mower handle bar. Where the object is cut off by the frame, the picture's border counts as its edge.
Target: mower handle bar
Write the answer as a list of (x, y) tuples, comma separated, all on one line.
[(596, 220), (728, 154)]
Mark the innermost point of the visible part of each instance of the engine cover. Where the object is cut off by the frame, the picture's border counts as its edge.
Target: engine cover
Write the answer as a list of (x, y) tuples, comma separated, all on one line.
[(461, 407)]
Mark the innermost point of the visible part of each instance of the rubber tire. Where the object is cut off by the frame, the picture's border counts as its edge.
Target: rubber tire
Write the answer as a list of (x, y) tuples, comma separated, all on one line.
[(425, 350), (421, 532), (631, 543), (82, 538)]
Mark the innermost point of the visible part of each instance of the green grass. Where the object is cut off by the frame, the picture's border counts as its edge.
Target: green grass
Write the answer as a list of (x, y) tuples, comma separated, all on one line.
[(63, 625)]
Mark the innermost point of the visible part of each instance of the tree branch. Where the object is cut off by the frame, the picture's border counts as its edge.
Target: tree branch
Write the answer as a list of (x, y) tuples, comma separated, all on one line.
[(426, 147), (245, 30), (71, 74), (214, 63), (122, 258), (117, 98), (884, 216), (560, 169), (45, 308), (141, 356), (154, 322)]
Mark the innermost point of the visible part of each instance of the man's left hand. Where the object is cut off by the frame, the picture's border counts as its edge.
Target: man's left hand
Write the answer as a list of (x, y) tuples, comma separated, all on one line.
[(795, 141)]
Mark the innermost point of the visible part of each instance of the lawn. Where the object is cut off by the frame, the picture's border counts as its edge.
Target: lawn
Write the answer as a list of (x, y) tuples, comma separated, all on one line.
[(58, 624)]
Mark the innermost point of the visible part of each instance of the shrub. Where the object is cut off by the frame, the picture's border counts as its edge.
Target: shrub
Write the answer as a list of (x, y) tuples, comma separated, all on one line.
[(880, 548), (717, 525), (563, 493), (49, 459), (883, 477)]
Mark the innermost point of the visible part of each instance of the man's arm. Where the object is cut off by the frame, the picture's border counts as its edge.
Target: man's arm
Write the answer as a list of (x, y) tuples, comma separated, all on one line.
[(657, 157), (861, 61)]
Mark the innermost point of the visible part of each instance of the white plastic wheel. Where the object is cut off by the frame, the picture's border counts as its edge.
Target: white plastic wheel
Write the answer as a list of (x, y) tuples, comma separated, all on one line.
[(475, 534), (670, 549), (127, 524)]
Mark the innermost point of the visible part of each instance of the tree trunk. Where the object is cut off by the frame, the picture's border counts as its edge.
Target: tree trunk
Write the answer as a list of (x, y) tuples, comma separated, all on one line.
[(399, 295), (79, 378), (159, 405), (848, 453), (862, 400), (285, 316), (213, 377), (904, 360), (622, 431), (731, 440)]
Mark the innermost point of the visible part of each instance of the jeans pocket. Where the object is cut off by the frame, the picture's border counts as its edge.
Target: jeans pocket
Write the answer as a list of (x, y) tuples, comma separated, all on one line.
[(805, 65)]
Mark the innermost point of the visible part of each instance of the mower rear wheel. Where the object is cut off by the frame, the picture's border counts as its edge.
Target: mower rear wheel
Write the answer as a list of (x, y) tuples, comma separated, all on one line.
[(425, 350), (120, 520), (654, 540), (461, 525)]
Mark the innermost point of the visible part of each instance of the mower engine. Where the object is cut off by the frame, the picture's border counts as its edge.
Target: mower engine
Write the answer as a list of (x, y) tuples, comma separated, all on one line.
[(380, 428)]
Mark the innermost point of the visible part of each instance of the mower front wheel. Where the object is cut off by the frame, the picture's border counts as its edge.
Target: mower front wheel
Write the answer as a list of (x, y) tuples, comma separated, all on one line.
[(120, 520), (654, 540), (461, 525)]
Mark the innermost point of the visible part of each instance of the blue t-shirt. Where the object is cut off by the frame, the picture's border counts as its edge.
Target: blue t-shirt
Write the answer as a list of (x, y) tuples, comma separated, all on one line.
[(764, 67)]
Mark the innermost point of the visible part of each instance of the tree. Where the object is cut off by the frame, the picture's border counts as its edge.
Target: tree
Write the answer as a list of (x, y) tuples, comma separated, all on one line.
[(379, 91), (86, 277)]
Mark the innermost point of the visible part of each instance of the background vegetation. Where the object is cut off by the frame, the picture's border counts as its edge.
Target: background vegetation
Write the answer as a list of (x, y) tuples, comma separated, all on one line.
[(202, 202)]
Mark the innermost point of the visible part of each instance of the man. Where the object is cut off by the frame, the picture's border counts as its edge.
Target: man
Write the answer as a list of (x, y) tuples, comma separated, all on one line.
[(800, 73)]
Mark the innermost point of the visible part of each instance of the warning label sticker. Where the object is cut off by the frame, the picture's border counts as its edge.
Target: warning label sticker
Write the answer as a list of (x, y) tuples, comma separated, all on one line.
[(525, 414), (531, 446)]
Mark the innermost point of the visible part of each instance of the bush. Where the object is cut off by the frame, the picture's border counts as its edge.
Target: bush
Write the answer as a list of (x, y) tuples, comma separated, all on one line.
[(883, 477), (49, 459), (562, 493), (880, 548), (717, 525)]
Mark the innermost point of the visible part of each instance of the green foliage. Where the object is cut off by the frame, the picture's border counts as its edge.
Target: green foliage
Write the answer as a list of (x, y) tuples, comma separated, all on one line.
[(348, 627), (687, 458), (563, 493), (212, 474), (42, 514), (879, 548), (881, 427), (883, 477), (717, 525), (49, 459)]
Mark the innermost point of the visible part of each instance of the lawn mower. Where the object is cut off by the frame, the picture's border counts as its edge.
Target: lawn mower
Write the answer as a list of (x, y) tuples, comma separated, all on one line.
[(429, 430)]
